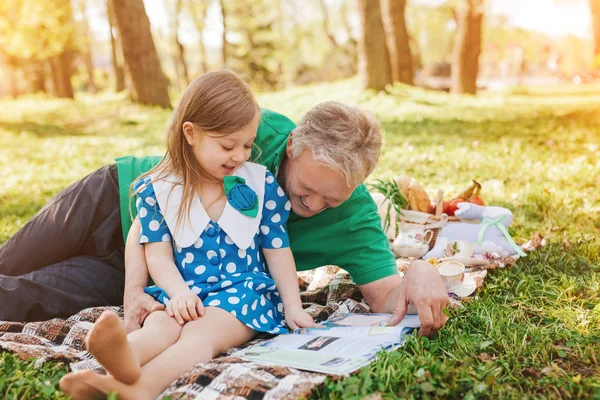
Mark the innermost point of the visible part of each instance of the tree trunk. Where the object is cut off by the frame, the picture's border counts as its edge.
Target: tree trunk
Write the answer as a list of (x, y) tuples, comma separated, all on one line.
[(224, 47), (149, 84), (595, 8), (394, 25), (13, 83), (116, 49), (326, 27), (374, 58), (198, 14), (62, 70), (181, 66), (87, 51), (467, 47), (38, 77)]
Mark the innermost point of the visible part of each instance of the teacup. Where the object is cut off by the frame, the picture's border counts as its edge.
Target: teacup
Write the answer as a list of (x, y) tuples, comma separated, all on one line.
[(459, 248), (452, 273)]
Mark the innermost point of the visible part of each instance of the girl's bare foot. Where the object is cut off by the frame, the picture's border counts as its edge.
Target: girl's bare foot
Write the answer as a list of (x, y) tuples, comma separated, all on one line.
[(86, 385), (107, 341)]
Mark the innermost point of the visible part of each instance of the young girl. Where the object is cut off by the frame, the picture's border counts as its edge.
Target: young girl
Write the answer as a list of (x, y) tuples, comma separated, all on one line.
[(209, 222)]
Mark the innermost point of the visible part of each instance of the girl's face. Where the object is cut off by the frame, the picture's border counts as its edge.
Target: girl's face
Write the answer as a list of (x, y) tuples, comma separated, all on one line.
[(221, 156)]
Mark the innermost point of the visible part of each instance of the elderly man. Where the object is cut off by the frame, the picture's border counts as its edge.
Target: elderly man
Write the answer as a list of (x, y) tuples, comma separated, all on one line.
[(71, 254)]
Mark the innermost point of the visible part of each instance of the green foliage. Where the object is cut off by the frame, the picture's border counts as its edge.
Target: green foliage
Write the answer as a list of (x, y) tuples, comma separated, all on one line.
[(24, 380), (35, 30), (532, 332), (396, 200)]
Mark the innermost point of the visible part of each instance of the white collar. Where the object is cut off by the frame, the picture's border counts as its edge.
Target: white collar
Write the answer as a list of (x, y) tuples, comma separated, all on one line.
[(239, 227)]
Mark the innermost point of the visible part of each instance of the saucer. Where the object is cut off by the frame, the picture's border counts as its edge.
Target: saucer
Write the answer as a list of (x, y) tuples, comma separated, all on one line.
[(466, 261), (466, 288)]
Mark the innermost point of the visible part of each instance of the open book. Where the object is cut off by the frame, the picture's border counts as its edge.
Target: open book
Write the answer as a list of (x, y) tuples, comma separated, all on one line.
[(341, 346)]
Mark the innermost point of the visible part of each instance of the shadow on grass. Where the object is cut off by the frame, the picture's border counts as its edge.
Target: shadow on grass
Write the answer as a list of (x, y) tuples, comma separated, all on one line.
[(39, 130)]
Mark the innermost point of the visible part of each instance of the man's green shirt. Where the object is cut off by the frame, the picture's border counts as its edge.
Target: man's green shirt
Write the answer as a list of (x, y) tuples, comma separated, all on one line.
[(349, 235)]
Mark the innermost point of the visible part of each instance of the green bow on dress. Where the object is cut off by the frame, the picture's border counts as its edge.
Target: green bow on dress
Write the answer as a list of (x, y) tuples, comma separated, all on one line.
[(240, 195)]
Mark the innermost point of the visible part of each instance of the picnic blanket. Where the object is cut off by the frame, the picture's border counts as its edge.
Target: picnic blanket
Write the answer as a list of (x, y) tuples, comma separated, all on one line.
[(325, 292)]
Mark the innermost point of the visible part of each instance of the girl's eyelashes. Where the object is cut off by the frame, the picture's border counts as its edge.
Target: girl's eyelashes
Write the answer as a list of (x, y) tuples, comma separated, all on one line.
[(248, 146), (227, 148)]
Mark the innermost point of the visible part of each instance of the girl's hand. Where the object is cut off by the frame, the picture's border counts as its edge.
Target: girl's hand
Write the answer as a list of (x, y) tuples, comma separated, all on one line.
[(185, 306), (298, 318)]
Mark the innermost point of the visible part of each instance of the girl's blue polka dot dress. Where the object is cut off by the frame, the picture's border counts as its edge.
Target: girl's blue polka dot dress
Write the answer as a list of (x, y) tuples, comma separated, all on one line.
[(221, 273)]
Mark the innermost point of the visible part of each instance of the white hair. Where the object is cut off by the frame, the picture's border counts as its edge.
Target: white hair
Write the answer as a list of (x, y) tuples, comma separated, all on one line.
[(342, 137)]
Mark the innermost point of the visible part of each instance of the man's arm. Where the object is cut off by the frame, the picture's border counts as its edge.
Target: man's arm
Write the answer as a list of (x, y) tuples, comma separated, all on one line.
[(136, 304), (421, 291)]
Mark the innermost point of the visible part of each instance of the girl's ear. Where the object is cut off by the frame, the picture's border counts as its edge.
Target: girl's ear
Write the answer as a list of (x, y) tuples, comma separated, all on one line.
[(190, 132)]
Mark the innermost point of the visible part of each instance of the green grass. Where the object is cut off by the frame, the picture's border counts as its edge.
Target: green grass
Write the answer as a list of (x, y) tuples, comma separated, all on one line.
[(530, 333)]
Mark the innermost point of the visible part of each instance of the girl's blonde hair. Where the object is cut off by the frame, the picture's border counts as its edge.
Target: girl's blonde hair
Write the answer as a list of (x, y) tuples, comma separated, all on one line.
[(217, 104)]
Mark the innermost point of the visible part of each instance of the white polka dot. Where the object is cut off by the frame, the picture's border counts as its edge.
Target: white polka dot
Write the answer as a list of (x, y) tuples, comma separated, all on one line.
[(178, 248), (166, 237), (249, 260), (166, 301), (143, 212), (280, 192), (196, 289), (270, 179), (142, 188), (150, 201), (138, 201), (233, 313), (214, 302), (231, 290), (218, 239), (256, 323), (258, 257), (280, 307), (222, 252), (270, 205), (143, 239), (255, 269), (236, 275), (271, 287), (263, 319), (212, 279), (230, 268), (250, 285), (154, 225), (282, 228), (189, 283), (276, 218), (189, 257), (210, 254), (288, 205), (225, 284), (212, 294), (264, 229), (228, 240), (233, 300), (252, 245), (270, 313), (223, 276), (199, 243), (269, 295), (242, 253), (200, 269), (245, 309), (261, 286), (263, 301), (277, 243), (254, 304)]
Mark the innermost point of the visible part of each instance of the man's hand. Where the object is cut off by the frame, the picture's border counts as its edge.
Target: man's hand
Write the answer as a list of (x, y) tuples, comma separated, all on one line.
[(137, 306), (423, 287)]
